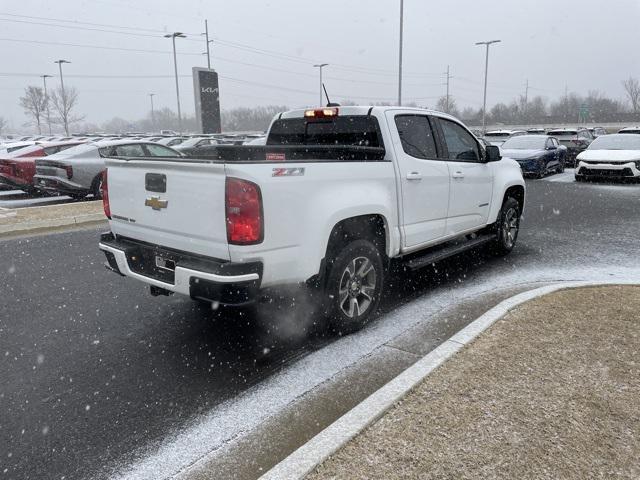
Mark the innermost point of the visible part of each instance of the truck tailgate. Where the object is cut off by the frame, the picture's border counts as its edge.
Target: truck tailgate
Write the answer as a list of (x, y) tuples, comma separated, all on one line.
[(189, 215)]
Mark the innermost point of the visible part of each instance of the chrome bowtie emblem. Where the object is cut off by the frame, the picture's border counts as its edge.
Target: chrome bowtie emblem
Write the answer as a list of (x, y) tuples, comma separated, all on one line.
[(156, 203)]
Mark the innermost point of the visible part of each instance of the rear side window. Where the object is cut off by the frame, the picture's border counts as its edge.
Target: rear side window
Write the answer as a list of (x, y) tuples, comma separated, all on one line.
[(353, 131), (460, 143), (130, 151), (160, 151), (416, 136)]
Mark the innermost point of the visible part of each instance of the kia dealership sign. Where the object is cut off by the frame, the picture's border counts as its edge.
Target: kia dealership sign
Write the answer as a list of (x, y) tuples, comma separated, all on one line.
[(207, 93)]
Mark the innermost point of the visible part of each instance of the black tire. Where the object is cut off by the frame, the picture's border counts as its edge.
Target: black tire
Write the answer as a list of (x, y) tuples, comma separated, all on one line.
[(96, 188), (507, 227), (354, 286)]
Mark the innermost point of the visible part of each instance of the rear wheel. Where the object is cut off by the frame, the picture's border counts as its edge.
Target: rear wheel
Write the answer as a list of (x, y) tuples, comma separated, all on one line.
[(96, 188), (507, 227), (354, 286)]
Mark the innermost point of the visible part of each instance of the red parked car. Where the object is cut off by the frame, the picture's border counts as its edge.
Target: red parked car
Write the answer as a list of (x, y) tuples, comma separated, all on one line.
[(17, 168)]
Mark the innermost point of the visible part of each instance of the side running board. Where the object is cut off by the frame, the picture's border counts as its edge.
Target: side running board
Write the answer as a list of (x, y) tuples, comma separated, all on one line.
[(433, 256)]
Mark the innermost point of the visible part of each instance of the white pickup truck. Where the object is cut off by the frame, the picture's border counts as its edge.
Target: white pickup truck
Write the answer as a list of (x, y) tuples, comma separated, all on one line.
[(335, 196)]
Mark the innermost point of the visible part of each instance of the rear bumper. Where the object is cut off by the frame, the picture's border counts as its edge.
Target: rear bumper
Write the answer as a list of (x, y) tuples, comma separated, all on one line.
[(608, 170), (199, 277), (15, 182), (57, 184)]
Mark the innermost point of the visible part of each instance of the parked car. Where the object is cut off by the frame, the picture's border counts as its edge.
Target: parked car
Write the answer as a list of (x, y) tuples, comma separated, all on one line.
[(13, 146), (77, 172), (333, 196), (498, 137), (635, 130), (536, 131), (575, 139), (256, 141), (597, 131), (610, 156), (18, 167), (536, 154), (195, 142), (171, 141)]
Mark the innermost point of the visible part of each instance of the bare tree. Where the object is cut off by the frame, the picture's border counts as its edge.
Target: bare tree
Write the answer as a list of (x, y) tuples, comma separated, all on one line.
[(632, 88), (3, 123), (447, 105), (245, 119), (34, 103), (64, 101)]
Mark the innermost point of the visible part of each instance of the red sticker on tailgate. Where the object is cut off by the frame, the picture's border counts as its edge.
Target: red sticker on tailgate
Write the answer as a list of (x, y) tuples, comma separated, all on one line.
[(276, 157)]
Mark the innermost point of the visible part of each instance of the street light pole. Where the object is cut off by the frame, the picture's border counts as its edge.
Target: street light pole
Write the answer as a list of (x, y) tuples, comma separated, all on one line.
[(173, 36), (486, 72), (153, 115), (46, 99), (400, 53), (64, 95), (320, 67), (206, 33), (448, 79)]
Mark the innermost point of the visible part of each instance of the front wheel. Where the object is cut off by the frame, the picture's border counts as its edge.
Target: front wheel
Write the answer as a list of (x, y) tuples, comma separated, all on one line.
[(507, 227), (354, 286)]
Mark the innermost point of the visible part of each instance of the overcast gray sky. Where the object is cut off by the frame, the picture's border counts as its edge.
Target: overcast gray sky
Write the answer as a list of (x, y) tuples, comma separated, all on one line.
[(264, 50)]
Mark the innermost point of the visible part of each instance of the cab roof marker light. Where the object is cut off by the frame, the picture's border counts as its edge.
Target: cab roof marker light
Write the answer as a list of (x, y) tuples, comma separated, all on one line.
[(321, 113)]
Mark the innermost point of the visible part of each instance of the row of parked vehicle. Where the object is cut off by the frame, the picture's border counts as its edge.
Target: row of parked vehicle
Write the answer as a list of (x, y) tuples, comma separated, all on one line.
[(591, 151), (73, 166)]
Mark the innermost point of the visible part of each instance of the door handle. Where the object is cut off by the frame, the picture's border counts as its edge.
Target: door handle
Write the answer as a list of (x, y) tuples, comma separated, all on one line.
[(414, 176), (458, 174)]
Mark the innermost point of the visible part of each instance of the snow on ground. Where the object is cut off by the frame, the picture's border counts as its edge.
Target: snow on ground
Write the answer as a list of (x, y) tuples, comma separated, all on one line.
[(19, 199), (567, 177), (230, 420)]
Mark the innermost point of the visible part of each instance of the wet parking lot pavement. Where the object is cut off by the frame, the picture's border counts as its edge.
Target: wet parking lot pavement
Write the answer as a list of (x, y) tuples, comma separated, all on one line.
[(101, 379)]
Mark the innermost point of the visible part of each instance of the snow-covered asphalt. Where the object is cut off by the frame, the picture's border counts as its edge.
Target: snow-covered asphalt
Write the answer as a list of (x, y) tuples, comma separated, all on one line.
[(100, 379), (20, 199)]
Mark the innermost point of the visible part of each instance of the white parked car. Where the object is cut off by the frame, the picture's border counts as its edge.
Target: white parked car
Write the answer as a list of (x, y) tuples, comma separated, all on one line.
[(13, 146), (334, 196), (77, 171), (610, 156), (630, 130), (256, 141), (170, 141), (195, 142), (498, 137)]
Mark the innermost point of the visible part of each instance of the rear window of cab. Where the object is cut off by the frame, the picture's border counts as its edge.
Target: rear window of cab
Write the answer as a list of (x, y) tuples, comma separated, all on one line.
[(349, 130)]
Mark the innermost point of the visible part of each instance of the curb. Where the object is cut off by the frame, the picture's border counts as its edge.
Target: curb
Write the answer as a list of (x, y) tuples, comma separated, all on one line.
[(50, 224), (307, 457)]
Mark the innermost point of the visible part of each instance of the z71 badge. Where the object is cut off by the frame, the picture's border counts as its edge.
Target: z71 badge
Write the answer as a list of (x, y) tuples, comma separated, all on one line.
[(287, 172)]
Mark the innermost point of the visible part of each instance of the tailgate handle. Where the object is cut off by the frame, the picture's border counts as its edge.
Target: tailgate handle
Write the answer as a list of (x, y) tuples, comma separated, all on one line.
[(155, 182)]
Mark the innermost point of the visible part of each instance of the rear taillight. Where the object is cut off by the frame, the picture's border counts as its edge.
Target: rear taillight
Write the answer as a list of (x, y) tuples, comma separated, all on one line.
[(243, 201), (69, 170), (104, 190), (8, 168)]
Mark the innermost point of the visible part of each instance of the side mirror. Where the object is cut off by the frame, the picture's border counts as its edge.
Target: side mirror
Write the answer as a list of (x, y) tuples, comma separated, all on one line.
[(551, 147), (493, 153)]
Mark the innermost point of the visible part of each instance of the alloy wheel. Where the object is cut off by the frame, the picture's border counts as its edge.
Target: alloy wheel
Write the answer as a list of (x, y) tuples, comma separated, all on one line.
[(357, 287)]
